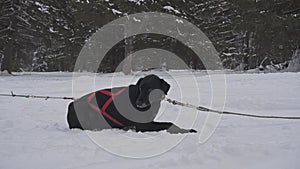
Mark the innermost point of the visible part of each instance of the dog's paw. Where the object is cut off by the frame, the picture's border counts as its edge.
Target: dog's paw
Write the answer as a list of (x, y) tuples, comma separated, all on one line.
[(176, 130), (192, 131)]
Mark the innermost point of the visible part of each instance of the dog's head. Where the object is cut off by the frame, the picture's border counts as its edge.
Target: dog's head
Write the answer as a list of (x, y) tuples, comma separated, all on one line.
[(151, 89)]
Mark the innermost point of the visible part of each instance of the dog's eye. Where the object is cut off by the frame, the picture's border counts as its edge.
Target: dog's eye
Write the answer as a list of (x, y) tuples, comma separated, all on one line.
[(146, 88)]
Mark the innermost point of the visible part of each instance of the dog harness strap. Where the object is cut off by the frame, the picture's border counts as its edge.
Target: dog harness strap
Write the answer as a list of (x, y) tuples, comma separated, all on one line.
[(105, 92), (102, 110), (113, 95)]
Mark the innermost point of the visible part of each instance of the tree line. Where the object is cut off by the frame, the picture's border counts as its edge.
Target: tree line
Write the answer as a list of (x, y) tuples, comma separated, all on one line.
[(47, 35)]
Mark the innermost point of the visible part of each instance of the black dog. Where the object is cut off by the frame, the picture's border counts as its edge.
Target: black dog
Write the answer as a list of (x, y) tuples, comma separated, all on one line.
[(131, 107)]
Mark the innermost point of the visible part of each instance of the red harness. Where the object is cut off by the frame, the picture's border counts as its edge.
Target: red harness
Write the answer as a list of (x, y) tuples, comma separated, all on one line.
[(102, 110)]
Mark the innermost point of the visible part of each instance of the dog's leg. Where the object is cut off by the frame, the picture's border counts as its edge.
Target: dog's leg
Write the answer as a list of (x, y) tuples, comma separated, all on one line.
[(175, 129), (72, 117), (159, 126)]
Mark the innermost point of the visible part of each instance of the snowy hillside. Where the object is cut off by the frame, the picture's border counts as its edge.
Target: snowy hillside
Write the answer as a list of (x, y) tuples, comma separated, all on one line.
[(34, 132)]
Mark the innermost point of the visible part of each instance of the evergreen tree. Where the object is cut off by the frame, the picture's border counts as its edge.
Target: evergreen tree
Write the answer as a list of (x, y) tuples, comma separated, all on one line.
[(42, 35)]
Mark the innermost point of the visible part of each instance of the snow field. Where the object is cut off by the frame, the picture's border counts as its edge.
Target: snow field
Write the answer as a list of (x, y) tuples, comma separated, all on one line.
[(34, 132)]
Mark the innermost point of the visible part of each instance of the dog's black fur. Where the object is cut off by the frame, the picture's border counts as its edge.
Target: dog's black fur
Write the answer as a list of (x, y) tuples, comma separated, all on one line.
[(135, 108)]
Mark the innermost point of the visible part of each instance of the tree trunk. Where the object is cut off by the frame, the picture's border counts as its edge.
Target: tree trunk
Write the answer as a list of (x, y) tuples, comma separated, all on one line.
[(127, 62), (8, 52)]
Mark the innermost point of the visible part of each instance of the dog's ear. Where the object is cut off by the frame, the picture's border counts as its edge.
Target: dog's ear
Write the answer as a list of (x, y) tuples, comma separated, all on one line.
[(165, 86), (139, 81)]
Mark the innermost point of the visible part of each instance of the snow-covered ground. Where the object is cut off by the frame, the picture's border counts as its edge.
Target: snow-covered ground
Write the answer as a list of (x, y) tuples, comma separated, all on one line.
[(34, 132)]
